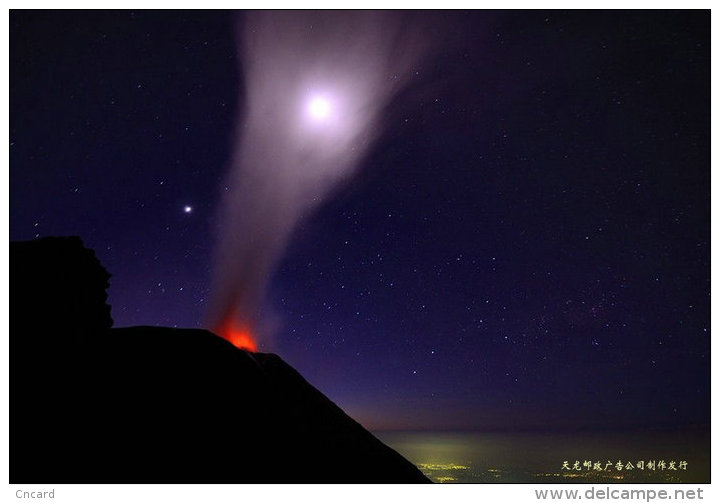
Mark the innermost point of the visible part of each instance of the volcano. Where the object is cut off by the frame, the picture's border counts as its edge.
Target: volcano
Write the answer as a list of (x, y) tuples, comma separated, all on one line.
[(93, 404)]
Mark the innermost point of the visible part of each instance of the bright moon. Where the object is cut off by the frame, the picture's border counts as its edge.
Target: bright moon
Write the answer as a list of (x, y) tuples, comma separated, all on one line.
[(319, 108)]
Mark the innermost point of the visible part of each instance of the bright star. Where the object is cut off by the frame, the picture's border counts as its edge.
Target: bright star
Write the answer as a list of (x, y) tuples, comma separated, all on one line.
[(187, 209)]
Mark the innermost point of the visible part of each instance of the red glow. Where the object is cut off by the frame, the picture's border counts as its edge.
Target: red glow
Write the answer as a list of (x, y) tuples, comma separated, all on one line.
[(239, 335)]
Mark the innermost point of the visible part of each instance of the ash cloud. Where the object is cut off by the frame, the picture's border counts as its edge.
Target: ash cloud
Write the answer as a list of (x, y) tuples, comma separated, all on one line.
[(316, 85)]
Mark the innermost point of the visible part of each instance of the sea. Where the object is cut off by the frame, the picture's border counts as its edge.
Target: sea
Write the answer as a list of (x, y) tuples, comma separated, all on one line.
[(557, 457)]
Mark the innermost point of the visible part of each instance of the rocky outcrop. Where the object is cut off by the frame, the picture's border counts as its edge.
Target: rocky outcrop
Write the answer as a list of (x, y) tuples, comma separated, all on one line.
[(57, 282)]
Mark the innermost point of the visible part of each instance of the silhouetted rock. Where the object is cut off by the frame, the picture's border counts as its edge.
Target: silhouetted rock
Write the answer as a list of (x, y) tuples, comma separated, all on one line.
[(151, 404), (57, 282)]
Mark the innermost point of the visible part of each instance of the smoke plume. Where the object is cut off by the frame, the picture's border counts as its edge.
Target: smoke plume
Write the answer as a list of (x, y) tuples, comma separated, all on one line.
[(315, 88)]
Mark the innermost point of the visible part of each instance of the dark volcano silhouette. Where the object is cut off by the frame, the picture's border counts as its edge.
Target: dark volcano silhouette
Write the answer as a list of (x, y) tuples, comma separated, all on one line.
[(92, 404)]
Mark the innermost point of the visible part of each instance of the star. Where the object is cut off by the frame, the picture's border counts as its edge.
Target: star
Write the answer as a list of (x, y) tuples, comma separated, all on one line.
[(187, 209)]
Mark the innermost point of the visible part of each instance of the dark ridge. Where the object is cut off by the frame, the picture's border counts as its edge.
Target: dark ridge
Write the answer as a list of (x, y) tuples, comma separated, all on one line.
[(92, 404)]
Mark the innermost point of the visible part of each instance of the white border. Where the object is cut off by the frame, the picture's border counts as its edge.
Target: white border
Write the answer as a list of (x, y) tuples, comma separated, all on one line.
[(236, 493)]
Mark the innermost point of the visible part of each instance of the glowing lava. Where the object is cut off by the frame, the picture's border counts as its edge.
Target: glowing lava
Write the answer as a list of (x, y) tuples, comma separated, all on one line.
[(238, 335)]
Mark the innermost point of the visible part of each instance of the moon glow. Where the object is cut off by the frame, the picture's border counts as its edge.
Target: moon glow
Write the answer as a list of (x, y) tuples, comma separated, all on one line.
[(319, 108)]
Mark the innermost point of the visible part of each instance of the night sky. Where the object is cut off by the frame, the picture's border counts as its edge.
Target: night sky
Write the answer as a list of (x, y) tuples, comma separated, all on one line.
[(526, 246)]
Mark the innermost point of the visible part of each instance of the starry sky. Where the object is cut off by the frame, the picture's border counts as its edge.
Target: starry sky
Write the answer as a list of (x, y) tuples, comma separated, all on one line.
[(526, 246)]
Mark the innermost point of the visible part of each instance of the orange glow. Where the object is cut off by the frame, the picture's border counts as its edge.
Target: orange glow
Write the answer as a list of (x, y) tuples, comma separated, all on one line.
[(239, 335)]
